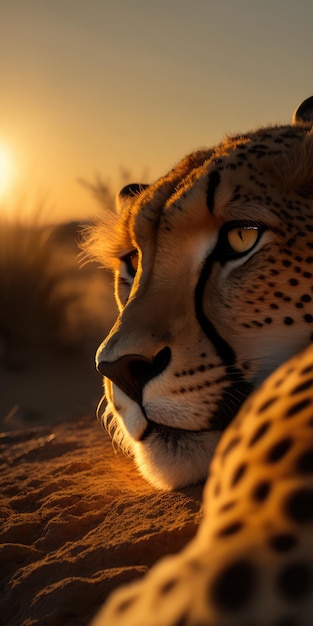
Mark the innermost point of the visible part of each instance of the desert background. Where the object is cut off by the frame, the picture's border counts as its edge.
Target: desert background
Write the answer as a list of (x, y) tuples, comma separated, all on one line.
[(55, 309), (94, 95)]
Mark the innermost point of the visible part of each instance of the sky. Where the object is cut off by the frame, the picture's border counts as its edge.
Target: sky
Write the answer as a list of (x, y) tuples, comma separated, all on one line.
[(99, 87)]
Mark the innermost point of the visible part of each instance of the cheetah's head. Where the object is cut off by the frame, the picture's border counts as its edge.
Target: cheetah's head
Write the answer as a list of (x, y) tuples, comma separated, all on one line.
[(213, 273)]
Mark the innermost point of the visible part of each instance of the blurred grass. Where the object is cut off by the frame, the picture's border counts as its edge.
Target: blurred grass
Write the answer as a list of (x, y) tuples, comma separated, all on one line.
[(33, 309)]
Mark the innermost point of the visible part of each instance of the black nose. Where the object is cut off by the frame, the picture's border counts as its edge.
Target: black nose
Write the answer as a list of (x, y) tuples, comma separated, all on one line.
[(131, 372)]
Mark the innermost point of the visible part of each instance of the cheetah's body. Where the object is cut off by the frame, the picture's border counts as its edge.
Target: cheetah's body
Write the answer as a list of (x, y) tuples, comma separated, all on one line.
[(214, 285)]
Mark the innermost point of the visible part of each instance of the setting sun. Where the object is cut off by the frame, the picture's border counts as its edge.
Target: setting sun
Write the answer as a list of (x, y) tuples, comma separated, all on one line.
[(6, 170)]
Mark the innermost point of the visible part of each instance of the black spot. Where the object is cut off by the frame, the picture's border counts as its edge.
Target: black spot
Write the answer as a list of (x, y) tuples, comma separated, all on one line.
[(259, 433), (231, 444), (217, 489), (305, 462), (308, 318), (283, 542), (230, 529), (168, 586), (238, 474), (299, 505), (293, 282), (306, 298), (266, 405), (294, 409), (302, 387), (257, 324), (288, 321), (183, 620), (268, 320), (294, 581), (234, 586), (279, 450), (261, 491), (278, 382), (227, 506), (125, 604)]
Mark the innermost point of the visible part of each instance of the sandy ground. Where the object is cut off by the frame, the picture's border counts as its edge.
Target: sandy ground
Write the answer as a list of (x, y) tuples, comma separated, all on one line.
[(76, 520)]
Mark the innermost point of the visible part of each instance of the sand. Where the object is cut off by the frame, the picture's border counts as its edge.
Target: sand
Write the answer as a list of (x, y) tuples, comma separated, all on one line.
[(77, 521)]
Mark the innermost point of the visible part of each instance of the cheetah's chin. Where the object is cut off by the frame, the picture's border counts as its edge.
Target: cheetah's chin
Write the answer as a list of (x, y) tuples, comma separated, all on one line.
[(173, 458), (169, 432)]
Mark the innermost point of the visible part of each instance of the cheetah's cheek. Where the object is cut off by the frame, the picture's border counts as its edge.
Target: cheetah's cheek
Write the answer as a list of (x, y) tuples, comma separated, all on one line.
[(130, 413)]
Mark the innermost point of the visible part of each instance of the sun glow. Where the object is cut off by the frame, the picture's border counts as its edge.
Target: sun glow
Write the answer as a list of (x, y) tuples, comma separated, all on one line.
[(6, 171)]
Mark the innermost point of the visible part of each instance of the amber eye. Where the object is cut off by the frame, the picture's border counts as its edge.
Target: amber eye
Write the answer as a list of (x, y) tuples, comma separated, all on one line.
[(131, 262), (133, 257), (242, 238)]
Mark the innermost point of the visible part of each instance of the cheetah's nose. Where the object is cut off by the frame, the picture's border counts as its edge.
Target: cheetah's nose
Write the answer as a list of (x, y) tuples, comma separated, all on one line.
[(133, 371)]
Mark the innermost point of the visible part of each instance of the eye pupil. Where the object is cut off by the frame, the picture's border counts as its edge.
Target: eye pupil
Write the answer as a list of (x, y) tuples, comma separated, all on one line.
[(134, 260), (131, 262), (241, 240)]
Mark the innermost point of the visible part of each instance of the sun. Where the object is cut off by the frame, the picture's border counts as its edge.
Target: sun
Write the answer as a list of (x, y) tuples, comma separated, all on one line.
[(6, 170)]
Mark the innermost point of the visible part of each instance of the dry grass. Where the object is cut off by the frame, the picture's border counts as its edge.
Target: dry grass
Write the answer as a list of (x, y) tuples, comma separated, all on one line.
[(53, 315), (33, 309)]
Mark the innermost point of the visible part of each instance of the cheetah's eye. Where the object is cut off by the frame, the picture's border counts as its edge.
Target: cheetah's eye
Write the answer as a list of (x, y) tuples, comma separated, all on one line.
[(131, 262), (242, 238)]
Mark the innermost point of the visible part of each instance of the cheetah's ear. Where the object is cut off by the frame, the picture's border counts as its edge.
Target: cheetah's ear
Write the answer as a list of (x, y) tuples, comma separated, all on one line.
[(128, 195), (304, 112)]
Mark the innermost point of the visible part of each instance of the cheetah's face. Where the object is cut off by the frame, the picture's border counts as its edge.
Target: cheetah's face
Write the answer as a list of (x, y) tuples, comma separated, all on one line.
[(213, 283)]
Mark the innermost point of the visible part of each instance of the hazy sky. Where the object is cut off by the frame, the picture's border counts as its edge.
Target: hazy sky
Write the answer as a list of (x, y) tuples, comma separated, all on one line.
[(90, 86)]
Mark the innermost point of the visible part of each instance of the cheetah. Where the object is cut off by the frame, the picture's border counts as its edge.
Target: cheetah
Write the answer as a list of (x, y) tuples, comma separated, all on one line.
[(213, 282)]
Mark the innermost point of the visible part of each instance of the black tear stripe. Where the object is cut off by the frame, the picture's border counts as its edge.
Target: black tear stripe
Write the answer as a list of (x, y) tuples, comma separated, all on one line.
[(223, 349), (213, 183), (238, 390)]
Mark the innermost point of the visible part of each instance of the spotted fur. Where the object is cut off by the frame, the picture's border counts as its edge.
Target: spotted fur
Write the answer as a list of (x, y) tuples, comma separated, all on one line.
[(214, 267), (251, 563)]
